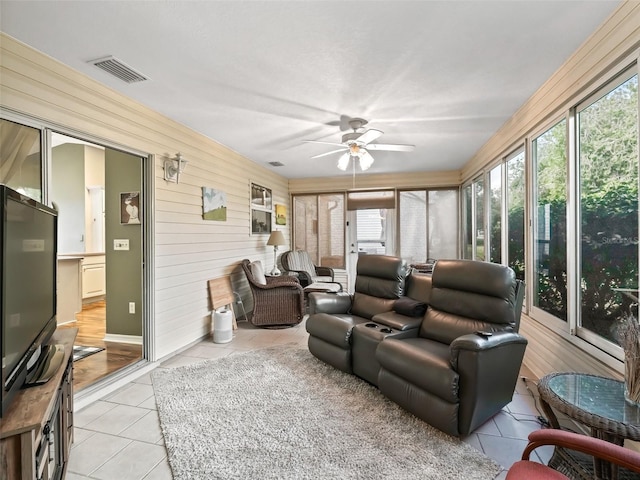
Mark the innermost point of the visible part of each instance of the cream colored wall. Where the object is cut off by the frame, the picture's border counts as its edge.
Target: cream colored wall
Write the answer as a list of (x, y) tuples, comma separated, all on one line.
[(188, 250)]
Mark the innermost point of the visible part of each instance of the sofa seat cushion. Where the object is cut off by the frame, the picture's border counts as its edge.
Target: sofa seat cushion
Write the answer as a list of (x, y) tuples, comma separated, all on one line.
[(397, 321), (333, 329), (421, 362)]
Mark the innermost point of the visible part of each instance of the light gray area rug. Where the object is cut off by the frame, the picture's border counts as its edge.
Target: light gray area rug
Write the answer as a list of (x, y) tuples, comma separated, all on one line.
[(279, 413)]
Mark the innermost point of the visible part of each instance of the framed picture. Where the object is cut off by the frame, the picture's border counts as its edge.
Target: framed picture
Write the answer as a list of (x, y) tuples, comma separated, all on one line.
[(281, 214), (261, 197), (214, 204), (130, 208), (260, 222)]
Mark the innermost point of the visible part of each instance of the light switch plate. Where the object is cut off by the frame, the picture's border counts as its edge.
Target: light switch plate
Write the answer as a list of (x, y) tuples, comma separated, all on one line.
[(121, 244)]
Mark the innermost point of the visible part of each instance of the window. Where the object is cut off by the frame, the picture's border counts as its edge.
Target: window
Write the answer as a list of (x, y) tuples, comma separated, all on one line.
[(607, 153), (515, 213), (443, 224), (495, 214), (550, 221), (467, 224), (21, 158), (428, 224), (319, 228), (478, 192), (413, 225)]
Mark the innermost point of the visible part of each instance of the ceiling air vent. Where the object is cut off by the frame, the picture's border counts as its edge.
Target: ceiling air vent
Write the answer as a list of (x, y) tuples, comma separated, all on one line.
[(118, 69), (276, 164)]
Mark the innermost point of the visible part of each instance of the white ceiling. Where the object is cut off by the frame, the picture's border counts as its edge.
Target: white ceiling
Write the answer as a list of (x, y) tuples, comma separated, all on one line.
[(262, 76)]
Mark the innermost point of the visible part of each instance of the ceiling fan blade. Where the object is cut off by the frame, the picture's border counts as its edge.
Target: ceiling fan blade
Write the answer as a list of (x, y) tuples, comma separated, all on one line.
[(369, 136), (329, 153), (391, 147), (325, 143)]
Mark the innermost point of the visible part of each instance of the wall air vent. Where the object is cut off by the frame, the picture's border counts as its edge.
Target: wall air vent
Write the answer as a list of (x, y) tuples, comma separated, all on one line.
[(118, 69), (276, 164)]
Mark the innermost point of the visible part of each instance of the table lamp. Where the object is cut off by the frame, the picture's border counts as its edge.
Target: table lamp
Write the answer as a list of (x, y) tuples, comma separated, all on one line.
[(276, 238)]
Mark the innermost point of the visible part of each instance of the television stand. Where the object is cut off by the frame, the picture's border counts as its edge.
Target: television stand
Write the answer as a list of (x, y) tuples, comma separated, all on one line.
[(36, 431)]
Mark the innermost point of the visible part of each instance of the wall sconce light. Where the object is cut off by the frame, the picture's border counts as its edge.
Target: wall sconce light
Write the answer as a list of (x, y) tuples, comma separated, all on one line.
[(173, 167)]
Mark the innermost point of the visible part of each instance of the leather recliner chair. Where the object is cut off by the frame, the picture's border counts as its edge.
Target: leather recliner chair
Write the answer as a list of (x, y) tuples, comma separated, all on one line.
[(463, 366), (379, 283)]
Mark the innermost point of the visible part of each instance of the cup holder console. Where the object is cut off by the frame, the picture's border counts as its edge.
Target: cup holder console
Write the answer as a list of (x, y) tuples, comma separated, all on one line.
[(375, 325)]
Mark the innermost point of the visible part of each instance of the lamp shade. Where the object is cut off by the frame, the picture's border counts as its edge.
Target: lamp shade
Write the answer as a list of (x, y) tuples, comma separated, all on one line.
[(276, 238)]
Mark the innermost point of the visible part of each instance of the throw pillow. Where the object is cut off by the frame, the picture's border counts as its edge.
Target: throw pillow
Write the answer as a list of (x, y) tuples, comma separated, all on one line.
[(258, 272), (410, 307)]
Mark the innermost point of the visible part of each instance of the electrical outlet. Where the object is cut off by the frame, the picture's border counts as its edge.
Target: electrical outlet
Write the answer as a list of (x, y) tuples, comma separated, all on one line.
[(132, 307)]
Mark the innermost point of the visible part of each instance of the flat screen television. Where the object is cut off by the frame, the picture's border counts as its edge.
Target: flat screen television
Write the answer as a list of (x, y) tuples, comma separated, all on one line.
[(28, 257)]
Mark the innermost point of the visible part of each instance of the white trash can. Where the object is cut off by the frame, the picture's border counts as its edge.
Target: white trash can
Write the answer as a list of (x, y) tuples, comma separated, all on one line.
[(222, 325)]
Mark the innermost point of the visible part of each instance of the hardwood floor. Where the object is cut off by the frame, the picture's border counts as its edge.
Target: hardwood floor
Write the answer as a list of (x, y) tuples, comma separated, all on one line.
[(91, 325)]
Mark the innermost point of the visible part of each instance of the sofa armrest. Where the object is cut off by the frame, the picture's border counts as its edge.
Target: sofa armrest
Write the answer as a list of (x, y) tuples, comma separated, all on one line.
[(477, 342), (321, 302), (488, 369), (325, 272)]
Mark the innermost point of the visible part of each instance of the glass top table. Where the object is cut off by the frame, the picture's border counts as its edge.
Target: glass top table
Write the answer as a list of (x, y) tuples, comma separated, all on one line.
[(594, 401)]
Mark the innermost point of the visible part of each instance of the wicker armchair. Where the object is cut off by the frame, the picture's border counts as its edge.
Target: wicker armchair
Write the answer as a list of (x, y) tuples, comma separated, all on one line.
[(277, 301), (299, 262)]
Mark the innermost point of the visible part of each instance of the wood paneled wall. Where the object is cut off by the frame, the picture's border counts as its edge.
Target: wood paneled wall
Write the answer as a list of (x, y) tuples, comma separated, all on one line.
[(188, 250)]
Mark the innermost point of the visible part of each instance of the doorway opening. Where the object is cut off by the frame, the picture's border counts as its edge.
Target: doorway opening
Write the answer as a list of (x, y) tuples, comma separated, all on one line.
[(100, 253)]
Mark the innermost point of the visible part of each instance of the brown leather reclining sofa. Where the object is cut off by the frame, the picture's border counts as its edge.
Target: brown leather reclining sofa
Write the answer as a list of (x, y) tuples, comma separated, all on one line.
[(443, 346)]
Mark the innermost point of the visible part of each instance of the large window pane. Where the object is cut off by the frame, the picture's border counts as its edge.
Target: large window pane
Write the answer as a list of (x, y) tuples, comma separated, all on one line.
[(495, 215), (478, 191), (467, 211), (608, 169), (21, 159), (515, 212), (550, 200), (443, 224), (319, 228), (413, 225)]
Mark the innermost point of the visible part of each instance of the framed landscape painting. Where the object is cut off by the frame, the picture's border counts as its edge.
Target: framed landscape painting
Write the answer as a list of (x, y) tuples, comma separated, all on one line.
[(214, 204)]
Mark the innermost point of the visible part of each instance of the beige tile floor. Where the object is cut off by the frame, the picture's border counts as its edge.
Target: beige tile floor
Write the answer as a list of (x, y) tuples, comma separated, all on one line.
[(119, 437)]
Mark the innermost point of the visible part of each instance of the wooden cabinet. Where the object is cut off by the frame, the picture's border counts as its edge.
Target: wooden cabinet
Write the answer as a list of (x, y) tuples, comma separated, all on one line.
[(37, 431), (93, 276)]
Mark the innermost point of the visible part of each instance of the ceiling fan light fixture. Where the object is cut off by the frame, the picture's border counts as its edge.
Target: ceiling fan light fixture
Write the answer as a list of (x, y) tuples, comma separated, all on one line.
[(343, 161), (366, 160)]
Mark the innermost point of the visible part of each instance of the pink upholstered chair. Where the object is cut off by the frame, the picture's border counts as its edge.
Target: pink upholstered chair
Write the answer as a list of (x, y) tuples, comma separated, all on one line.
[(526, 469)]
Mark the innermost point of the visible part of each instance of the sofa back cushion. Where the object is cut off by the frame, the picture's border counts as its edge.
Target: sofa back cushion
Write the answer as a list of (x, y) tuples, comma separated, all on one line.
[(468, 296), (379, 282), (418, 286)]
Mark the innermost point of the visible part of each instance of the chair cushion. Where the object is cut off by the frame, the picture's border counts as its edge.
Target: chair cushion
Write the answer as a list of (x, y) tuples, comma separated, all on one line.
[(421, 362), (525, 469), (367, 306), (300, 260), (316, 279), (258, 272)]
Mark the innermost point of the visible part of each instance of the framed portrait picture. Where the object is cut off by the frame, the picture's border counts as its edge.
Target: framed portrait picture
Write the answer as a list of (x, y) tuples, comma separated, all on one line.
[(130, 208), (260, 222), (261, 197)]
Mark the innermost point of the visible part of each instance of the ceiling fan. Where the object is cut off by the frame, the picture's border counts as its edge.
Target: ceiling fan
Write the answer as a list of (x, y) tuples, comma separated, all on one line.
[(357, 144)]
